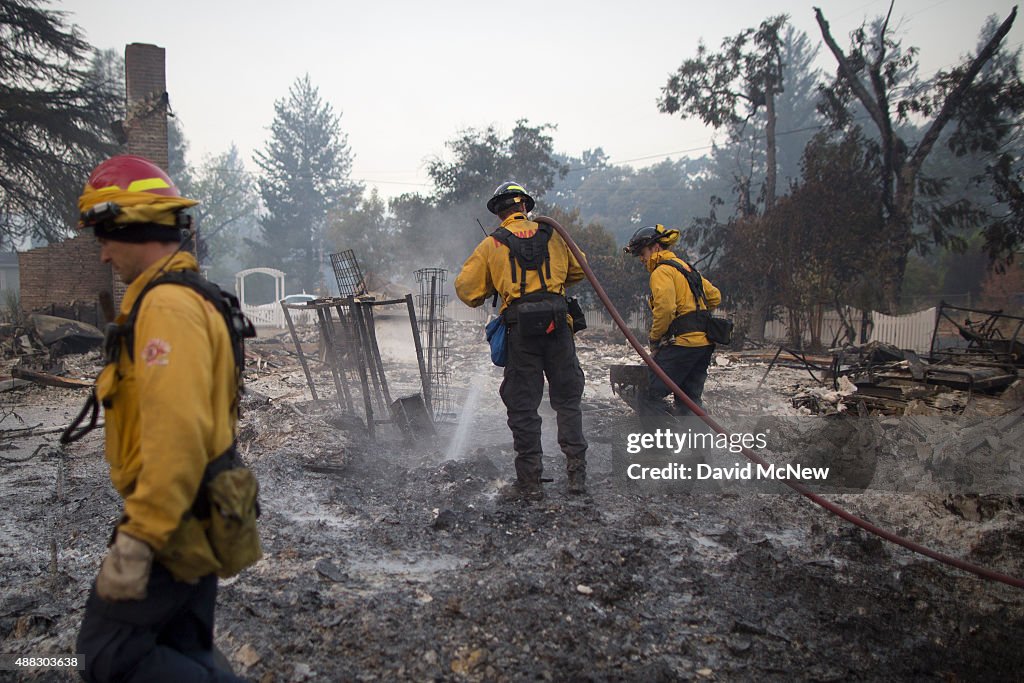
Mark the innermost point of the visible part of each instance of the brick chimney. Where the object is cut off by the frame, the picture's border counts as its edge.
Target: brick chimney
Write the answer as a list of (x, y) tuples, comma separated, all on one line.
[(146, 106)]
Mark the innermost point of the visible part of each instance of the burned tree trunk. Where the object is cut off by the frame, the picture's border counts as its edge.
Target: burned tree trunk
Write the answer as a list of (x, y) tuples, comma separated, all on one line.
[(771, 165)]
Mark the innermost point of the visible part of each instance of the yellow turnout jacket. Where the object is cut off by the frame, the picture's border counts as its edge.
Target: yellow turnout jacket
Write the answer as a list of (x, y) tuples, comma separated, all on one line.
[(671, 297), (168, 410), (487, 269)]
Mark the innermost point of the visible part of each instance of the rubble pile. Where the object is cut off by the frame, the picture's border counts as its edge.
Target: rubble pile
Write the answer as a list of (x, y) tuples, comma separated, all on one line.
[(953, 455), (18, 340), (825, 400), (314, 433), (878, 379)]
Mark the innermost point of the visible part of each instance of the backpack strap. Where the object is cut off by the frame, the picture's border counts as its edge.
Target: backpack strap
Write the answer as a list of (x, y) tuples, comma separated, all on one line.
[(517, 254), (695, 320), (545, 230), (505, 236), (122, 336), (693, 279), (239, 326)]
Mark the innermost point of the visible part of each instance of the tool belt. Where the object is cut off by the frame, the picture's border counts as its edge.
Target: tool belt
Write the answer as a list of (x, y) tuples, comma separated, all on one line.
[(718, 330), (537, 314), (694, 321)]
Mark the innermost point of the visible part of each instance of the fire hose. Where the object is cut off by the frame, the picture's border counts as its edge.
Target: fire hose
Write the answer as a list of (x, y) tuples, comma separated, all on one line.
[(753, 457)]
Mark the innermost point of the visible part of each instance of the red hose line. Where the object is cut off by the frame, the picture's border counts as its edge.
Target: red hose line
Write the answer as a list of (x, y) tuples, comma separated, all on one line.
[(753, 457)]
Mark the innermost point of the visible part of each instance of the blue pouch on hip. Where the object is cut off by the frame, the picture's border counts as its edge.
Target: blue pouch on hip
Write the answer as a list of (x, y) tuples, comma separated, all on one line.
[(497, 337)]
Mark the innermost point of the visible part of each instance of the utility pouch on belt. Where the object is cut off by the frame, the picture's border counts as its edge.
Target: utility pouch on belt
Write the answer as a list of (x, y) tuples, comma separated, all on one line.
[(497, 337), (579, 321), (188, 554), (218, 534), (718, 330), (228, 499), (539, 313)]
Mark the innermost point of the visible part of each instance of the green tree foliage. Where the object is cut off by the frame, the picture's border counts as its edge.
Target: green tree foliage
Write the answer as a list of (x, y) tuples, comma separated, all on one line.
[(593, 238), (675, 193), (922, 281), (729, 87), (588, 184), (623, 277), (366, 228), (441, 229), (990, 129), (834, 213), (55, 115), (106, 74), (809, 249), (227, 212), (739, 162), (305, 169), (796, 107), (689, 193), (983, 104), (178, 167), (427, 236), (482, 159)]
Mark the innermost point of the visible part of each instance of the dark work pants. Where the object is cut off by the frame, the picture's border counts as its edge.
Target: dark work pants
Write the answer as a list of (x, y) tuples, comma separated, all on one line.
[(688, 367), (529, 360), (167, 636)]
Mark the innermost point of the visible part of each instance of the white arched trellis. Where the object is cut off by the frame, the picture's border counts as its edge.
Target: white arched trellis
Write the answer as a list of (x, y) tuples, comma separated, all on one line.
[(278, 276), (265, 314)]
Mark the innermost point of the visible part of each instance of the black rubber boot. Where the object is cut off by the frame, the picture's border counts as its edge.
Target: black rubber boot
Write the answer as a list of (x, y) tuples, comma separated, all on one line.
[(519, 491), (577, 482)]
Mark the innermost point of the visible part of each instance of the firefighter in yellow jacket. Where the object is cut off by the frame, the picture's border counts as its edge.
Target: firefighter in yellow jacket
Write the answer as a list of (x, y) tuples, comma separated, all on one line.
[(530, 267), (169, 397), (681, 346)]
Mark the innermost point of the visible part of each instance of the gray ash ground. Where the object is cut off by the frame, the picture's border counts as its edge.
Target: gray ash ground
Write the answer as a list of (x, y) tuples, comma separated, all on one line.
[(390, 562)]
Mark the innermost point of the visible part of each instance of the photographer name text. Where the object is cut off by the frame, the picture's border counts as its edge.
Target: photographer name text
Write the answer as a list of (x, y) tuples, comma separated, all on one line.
[(737, 472)]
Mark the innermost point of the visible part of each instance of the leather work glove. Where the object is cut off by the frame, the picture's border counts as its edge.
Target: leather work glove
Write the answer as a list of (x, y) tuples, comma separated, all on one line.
[(125, 570)]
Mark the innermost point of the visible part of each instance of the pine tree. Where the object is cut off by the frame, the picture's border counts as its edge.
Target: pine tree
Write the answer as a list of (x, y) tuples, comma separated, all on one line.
[(55, 116), (305, 175)]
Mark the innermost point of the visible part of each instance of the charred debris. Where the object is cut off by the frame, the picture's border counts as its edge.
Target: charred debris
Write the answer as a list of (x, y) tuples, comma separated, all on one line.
[(972, 368)]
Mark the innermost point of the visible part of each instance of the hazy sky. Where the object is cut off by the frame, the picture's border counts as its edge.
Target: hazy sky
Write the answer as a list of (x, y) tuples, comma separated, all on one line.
[(408, 76)]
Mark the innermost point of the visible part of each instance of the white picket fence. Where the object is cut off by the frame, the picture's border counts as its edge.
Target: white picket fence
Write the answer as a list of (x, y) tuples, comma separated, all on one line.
[(912, 331), (271, 315), (638, 320)]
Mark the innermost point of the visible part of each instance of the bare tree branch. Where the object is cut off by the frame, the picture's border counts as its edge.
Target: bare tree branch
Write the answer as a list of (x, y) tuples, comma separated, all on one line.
[(949, 106), (881, 39), (847, 71)]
